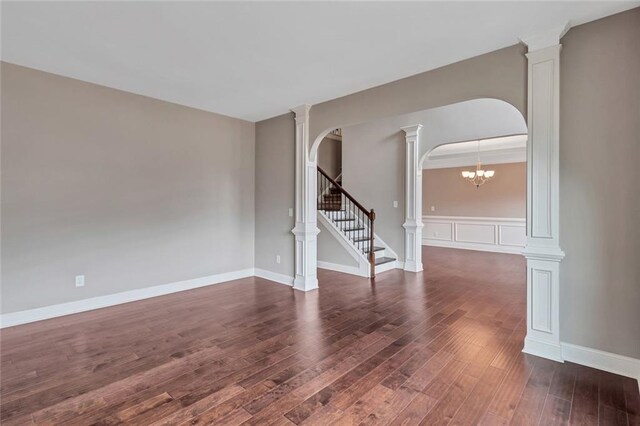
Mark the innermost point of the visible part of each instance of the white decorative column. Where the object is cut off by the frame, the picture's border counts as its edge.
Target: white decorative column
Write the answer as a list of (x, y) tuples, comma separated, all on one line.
[(543, 251), (306, 230), (413, 201)]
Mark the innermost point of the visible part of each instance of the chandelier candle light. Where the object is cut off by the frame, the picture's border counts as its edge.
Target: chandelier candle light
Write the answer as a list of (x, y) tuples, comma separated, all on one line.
[(480, 176)]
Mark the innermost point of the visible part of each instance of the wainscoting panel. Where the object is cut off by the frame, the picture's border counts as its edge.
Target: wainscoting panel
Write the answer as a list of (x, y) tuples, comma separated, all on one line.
[(504, 235), (475, 232), (438, 230)]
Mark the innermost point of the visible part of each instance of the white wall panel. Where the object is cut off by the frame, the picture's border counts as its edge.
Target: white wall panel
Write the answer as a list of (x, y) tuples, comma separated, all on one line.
[(482, 233), (505, 235)]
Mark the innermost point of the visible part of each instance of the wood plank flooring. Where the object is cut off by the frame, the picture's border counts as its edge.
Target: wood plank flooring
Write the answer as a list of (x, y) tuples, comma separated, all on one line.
[(439, 347)]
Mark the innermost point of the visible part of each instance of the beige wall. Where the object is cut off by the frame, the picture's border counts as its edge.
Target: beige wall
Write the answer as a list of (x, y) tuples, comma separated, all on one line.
[(599, 178), (504, 196), (129, 191), (330, 156)]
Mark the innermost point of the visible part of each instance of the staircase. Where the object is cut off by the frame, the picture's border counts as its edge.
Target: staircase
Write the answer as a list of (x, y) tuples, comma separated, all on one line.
[(353, 226)]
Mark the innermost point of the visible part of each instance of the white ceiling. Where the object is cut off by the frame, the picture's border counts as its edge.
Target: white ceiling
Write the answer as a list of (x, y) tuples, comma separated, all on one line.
[(257, 60), (505, 149)]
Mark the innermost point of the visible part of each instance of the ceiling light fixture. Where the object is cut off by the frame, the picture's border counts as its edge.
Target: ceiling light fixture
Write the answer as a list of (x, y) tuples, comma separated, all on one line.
[(480, 176)]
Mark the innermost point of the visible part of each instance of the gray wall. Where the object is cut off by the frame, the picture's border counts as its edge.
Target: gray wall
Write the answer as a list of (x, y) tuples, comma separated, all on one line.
[(330, 156), (275, 194), (330, 250), (129, 191), (599, 177), (501, 74)]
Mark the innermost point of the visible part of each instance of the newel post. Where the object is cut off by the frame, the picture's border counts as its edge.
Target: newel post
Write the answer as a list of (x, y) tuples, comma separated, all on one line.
[(543, 250), (413, 201), (306, 229)]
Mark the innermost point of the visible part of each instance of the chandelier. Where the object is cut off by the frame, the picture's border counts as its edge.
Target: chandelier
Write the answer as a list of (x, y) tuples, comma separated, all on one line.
[(480, 176)]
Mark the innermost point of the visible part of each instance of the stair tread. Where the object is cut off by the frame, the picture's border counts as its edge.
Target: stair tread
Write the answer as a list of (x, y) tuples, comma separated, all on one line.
[(375, 248), (353, 229), (383, 260), (344, 220), (359, 240)]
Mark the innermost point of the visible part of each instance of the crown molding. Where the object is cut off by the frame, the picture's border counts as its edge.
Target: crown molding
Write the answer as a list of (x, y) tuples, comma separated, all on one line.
[(301, 111), (544, 39), (412, 130)]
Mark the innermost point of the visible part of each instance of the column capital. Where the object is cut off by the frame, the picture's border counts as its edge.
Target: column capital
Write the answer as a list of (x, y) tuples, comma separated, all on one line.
[(301, 111), (544, 39), (411, 131)]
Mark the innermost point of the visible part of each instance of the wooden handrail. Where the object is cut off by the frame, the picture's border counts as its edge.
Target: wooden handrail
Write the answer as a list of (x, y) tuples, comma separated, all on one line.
[(344, 192), (361, 217)]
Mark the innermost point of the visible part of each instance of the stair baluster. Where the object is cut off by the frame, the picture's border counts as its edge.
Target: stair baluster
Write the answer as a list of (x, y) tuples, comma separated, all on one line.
[(343, 209)]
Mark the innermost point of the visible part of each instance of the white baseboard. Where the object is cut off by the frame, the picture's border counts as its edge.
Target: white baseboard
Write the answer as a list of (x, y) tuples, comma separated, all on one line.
[(352, 270), (53, 311), (387, 267), (543, 349), (472, 246), (594, 358), (606, 361), (274, 276)]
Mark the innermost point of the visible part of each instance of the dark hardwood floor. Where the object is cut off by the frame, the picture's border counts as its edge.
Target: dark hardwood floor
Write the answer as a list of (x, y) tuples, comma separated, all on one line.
[(440, 347)]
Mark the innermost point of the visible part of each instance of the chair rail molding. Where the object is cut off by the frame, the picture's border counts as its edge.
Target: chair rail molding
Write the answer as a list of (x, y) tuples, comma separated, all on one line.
[(413, 202), (543, 250), (306, 229)]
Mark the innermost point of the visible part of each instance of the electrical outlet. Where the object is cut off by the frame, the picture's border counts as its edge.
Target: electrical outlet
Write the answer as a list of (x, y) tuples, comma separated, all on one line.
[(278, 258), (79, 280), (395, 204), (433, 208), (290, 212)]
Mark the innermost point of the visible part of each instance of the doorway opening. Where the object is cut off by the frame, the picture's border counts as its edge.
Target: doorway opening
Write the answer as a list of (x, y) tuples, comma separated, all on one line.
[(474, 195)]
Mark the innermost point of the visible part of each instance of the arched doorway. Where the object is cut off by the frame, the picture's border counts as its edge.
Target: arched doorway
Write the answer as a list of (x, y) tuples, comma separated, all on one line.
[(543, 250)]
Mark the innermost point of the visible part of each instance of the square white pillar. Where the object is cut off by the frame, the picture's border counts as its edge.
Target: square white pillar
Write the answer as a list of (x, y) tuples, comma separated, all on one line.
[(543, 251), (306, 230), (413, 201)]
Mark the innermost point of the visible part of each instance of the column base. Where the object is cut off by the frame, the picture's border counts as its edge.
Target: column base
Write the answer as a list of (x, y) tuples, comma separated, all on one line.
[(543, 349), (305, 283), (413, 266)]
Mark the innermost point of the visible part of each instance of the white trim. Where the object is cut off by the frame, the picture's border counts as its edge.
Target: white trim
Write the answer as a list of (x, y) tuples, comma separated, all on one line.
[(543, 252), (543, 349), (274, 276), (53, 311), (389, 266), (352, 270), (305, 229), (544, 39), (605, 361), (493, 234), (594, 358), (476, 218), (470, 160), (413, 200)]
